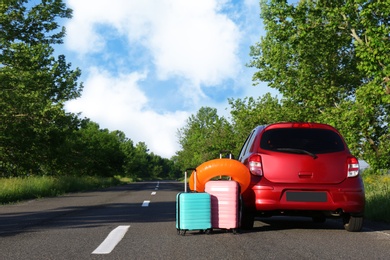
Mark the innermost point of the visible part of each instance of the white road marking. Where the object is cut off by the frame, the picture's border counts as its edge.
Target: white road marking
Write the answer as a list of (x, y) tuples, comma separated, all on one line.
[(146, 203), (153, 193), (112, 240)]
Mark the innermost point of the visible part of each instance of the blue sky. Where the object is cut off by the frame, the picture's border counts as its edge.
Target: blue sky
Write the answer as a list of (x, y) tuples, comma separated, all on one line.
[(147, 65)]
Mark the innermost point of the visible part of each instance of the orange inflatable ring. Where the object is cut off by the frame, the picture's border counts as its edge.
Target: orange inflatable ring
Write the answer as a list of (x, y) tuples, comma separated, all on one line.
[(220, 167)]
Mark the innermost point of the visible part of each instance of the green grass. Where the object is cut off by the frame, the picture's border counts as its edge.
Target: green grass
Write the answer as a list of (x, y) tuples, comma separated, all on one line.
[(377, 189), (18, 189)]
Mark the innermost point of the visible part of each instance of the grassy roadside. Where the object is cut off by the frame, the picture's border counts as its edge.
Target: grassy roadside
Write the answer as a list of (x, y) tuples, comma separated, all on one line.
[(18, 189), (377, 188), (12, 190)]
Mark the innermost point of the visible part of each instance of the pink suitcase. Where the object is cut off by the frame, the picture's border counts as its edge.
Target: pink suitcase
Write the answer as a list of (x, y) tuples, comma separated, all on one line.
[(224, 204)]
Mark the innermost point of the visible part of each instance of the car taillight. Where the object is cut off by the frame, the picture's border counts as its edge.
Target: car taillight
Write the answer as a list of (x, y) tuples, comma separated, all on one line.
[(353, 167), (301, 125), (255, 165)]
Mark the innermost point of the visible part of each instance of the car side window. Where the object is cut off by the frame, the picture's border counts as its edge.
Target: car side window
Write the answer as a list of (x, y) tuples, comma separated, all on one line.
[(251, 140), (247, 145), (244, 147)]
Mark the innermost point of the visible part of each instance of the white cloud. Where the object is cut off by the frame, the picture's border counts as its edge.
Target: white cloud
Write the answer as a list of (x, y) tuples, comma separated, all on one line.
[(189, 39), (196, 43), (117, 103), (185, 46)]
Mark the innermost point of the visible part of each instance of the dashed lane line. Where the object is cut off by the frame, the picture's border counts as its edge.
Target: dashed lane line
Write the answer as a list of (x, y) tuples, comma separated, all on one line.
[(146, 203), (118, 233), (111, 240)]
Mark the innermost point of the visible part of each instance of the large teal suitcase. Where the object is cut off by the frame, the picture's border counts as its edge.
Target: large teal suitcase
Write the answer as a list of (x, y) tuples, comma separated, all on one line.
[(193, 210)]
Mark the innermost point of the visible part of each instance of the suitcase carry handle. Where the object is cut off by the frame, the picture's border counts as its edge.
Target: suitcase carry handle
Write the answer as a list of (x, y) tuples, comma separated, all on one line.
[(185, 178)]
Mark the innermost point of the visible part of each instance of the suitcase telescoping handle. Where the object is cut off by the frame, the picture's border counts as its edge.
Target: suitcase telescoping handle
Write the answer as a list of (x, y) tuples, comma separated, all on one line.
[(225, 152), (185, 178), (220, 157)]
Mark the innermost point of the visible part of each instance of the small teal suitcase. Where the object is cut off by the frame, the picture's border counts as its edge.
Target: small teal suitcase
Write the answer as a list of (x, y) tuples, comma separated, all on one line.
[(193, 210)]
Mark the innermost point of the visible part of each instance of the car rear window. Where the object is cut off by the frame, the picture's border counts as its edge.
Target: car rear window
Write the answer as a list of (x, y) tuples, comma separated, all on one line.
[(313, 140)]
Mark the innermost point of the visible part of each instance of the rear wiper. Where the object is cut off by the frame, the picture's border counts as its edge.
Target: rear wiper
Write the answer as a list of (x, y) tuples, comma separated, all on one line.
[(300, 151)]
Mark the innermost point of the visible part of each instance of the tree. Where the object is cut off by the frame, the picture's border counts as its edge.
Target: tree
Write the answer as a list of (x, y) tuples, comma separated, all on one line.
[(330, 58), (128, 150), (203, 137), (94, 151), (34, 85), (368, 24), (304, 56), (137, 161)]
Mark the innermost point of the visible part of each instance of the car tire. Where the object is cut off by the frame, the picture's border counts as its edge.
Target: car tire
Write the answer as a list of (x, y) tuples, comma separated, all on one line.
[(352, 223), (247, 218)]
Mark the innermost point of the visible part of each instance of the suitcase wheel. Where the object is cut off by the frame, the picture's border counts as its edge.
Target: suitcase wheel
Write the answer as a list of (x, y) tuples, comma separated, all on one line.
[(181, 232), (205, 231)]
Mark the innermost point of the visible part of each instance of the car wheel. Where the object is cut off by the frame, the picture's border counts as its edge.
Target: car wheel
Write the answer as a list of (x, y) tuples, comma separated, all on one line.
[(247, 218), (352, 223)]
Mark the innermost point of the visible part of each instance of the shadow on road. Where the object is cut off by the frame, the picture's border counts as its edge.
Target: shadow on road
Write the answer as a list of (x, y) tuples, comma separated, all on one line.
[(107, 207), (118, 208), (86, 217)]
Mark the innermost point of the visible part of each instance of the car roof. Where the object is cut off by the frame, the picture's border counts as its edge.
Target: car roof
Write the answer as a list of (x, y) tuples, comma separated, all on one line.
[(296, 125)]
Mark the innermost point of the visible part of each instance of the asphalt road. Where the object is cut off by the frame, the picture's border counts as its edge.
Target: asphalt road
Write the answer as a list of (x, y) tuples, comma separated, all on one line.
[(137, 221)]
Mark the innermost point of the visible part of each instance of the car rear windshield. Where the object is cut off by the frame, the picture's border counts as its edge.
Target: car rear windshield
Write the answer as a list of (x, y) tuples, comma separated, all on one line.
[(313, 140)]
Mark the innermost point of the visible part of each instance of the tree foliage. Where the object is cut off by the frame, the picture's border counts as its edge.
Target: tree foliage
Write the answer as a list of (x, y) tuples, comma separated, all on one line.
[(37, 136), (34, 84), (141, 165), (304, 56), (331, 59), (203, 137), (249, 112), (99, 149)]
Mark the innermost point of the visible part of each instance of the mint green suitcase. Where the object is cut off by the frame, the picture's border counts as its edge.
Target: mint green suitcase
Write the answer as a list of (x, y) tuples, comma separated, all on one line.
[(193, 210)]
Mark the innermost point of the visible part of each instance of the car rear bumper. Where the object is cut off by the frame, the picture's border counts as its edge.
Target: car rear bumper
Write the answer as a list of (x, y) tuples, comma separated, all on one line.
[(273, 198)]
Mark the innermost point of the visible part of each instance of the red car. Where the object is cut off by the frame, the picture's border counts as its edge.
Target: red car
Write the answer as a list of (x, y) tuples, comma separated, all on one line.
[(301, 169)]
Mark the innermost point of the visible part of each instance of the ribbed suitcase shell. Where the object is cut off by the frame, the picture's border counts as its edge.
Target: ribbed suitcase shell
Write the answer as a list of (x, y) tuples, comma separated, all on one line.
[(193, 211), (224, 203)]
